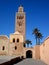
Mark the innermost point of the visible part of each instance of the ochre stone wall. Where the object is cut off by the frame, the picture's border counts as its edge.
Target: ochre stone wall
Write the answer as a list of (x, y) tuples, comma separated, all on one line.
[(37, 51), (20, 23), (26, 49), (4, 42), (44, 51), (19, 45)]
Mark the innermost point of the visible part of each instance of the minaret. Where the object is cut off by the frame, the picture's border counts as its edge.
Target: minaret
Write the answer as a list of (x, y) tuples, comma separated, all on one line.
[(20, 21)]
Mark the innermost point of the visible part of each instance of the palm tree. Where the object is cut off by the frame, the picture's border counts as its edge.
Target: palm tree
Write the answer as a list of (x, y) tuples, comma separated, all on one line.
[(28, 42), (35, 32), (39, 37)]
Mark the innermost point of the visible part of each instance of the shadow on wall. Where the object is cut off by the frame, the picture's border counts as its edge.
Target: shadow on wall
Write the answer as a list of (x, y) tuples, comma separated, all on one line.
[(13, 61)]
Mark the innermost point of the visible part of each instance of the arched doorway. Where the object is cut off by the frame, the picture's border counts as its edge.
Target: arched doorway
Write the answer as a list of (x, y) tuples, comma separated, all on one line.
[(29, 54)]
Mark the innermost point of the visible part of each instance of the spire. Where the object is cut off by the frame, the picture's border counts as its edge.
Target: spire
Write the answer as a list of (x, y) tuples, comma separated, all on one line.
[(20, 9)]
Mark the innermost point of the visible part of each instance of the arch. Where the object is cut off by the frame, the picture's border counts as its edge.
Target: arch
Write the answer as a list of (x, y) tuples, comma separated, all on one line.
[(13, 39), (3, 48), (24, 45), (17, 40), (29, 54), (15, 47)]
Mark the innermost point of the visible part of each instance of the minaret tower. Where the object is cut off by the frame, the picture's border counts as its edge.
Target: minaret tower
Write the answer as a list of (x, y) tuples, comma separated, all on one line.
[(20, 21)]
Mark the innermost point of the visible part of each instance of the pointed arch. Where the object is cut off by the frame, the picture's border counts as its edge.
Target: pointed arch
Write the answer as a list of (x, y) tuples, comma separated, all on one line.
[(29, 54)]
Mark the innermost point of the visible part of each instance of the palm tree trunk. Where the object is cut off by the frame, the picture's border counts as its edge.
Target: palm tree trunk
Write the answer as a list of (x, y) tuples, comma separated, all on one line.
[(38, 41), (27, 45)]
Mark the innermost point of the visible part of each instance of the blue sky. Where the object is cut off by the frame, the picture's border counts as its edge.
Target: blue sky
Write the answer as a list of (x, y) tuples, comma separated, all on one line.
[(37, 15)]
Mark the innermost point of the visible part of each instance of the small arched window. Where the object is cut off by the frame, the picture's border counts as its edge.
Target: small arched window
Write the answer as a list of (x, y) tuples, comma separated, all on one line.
[(3, 48), (17, 40), (13, 39), (15, 47), (24, 45)]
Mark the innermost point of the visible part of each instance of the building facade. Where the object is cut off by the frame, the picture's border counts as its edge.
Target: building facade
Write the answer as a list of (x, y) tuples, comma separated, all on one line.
[(15, 44)]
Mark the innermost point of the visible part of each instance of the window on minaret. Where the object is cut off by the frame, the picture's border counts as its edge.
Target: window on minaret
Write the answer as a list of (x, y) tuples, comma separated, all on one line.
[(15, 47), (14, 40), (20, 23), (20, 17), (17, 40), (3, 48)]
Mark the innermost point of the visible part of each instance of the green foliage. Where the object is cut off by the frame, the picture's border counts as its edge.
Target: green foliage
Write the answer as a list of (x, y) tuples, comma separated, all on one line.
[(37, 35), (28, 42)]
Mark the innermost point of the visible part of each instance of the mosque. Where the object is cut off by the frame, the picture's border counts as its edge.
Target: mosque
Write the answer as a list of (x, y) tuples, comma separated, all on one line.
[(15, 46)]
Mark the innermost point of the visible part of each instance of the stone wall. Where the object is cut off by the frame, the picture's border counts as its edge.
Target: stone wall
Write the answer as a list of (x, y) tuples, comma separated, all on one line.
[(19, 44), (4, 45), (44, 51)]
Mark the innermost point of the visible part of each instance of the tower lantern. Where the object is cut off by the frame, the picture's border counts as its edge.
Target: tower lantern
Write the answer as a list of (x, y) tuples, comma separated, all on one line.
[(20, 9)]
